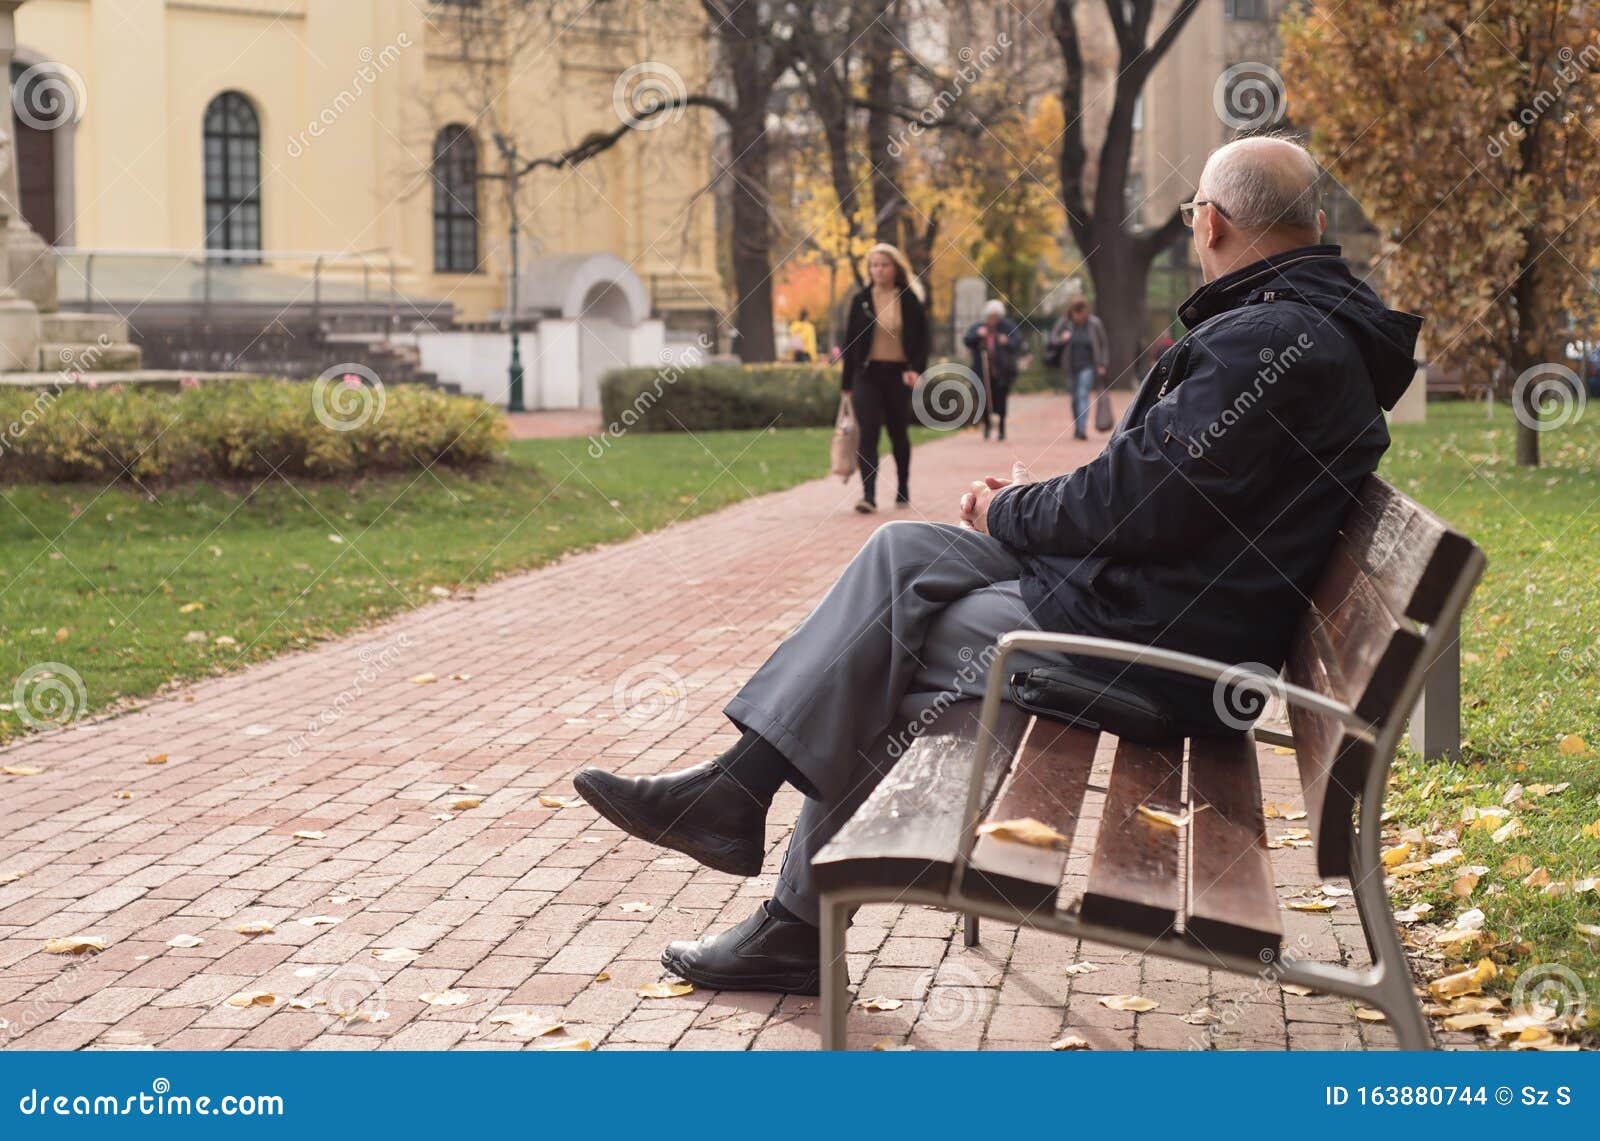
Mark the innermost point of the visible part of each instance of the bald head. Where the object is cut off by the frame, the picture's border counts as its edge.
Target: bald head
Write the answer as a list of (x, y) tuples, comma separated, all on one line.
[(1265, 184)]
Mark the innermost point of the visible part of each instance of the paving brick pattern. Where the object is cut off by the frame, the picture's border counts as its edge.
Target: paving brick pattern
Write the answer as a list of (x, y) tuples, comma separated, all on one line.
[(624, 656)]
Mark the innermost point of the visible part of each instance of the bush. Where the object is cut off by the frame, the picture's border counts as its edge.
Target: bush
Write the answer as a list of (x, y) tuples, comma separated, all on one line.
[(238, 429), (709, 397)]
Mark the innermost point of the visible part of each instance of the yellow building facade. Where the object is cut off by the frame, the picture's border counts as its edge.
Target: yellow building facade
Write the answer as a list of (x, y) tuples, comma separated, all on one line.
[(345, 105)]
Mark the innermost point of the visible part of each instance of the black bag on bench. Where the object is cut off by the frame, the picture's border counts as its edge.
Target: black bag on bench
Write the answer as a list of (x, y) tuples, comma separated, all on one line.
[(1092, 701)]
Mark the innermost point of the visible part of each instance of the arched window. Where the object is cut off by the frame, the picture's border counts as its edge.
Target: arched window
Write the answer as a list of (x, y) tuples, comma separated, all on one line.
[(455, 201), (233, 174)]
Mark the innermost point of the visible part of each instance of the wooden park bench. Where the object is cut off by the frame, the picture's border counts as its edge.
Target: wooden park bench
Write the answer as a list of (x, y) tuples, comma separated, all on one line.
[(1180, 866)]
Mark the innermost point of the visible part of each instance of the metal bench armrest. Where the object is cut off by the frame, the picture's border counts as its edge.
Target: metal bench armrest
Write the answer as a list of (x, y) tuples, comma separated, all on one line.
[(1112, 649)]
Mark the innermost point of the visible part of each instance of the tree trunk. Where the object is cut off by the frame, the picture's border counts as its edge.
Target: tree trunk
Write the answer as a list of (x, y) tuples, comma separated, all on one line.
[(888, 204), (752, 83), (1121, 276)]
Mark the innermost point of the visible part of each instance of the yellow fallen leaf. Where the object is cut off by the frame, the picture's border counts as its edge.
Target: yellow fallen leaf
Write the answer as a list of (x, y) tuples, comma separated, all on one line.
[(1033, 833), (665, 990), (1592, 829), (1165, 819), (10, 877), (1070, 1042), (1463, 982), (603, 977), (1538, 1038), (1137, 1003), (185, 941), (1395, 856), (158, 759), (446, 998), (1464, 884), (1516, 866), (20, 770), (1506, 831), (361, 1015), (635, 905), (254, 927), (309, 834), (1367, 1014), (889, 1045), (318, 920), (1313, 905), (1548, 789), (879, 1003), (1083, 968), (1539, 877), (568, 1044), (1589, 930), (191, 607), (303, 1003), (396, 955), (1297, 989), (253, 998), (1572, 745), (75, 945), (462, 803), (424, 679), (1473, 1020), (560, 801), (1282, 750), (526, 1024)]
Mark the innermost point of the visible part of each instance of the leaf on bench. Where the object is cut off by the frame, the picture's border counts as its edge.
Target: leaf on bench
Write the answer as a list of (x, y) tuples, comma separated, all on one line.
[(1033, 833), (1166, 819)]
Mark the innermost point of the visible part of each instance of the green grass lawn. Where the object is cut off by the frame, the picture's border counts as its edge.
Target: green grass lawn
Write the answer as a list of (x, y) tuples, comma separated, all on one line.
[(135, 593), (1531, 690)]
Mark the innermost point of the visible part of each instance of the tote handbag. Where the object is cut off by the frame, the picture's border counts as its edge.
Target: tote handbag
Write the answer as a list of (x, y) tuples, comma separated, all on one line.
[(842, 449)]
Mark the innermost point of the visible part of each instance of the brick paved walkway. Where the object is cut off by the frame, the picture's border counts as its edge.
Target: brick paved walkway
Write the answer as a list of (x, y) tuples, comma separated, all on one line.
[(623, 655)]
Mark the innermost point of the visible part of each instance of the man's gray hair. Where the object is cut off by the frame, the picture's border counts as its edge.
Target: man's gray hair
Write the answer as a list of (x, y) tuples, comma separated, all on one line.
[(1265, 182)]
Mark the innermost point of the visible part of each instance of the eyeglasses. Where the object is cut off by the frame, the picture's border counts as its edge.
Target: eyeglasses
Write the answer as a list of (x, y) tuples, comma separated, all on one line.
[(1187, 209)]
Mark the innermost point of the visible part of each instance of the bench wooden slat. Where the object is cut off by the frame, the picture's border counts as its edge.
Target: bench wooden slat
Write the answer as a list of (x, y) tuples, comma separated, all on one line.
[(1412, 555), (1232, 905), (1047, 783), (905, 833), (1133, 879), (1374, 648)]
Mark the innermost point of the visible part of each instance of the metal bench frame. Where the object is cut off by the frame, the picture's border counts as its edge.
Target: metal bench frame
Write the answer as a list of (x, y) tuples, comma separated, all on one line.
[(1386, 984)]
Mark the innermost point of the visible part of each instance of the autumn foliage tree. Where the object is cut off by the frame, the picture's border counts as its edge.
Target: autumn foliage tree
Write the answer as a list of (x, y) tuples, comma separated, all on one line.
[(1467, 132)]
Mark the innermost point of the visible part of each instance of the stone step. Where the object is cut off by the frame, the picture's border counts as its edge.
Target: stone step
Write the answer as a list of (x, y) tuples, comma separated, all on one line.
[(84, 328), (92, 356)]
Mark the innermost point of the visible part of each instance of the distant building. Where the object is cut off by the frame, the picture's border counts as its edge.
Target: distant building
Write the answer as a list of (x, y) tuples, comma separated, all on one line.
[(326, 153)]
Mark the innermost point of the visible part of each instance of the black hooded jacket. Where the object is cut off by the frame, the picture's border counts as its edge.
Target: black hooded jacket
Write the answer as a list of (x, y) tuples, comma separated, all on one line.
[(1208, 518)]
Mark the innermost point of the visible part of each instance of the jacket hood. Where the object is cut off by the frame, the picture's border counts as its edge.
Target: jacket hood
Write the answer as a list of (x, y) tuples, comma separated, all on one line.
[(1320, 277)]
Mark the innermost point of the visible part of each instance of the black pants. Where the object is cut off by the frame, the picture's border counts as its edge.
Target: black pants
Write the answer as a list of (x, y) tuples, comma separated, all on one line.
[(882, 400)]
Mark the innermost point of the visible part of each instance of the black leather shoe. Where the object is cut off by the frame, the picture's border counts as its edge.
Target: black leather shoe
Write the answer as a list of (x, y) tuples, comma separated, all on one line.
[(701, 812), (762, 953)]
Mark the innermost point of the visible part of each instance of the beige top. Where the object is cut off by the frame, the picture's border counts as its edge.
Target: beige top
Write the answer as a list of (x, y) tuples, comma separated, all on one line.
[(887, 344)]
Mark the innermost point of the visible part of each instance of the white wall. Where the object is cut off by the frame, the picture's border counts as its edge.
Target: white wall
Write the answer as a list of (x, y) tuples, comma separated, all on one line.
[(562, 360)]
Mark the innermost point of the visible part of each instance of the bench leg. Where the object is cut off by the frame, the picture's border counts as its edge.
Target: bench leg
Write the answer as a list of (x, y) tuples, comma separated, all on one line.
[(1436, 721), (835, 977), (969, 930), (1395, 997)]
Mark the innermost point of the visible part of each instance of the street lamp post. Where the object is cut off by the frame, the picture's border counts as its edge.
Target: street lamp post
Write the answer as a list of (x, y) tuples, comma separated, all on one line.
[(508, 150)]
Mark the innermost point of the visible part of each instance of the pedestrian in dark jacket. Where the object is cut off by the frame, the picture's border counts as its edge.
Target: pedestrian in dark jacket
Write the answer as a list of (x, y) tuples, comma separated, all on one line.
[(1085, 354), (885, 352), (1202, 527), (996, 345)]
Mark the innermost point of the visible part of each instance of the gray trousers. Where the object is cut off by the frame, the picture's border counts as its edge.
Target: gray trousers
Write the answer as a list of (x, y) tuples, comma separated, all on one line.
[(906, 629)]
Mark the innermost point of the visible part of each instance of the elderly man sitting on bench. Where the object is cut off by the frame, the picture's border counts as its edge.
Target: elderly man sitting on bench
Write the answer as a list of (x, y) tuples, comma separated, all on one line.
[(1201, 528)]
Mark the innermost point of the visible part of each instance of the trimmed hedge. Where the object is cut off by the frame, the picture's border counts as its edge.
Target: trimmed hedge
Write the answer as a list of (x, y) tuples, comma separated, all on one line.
[(708, 397), (238, 429)]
